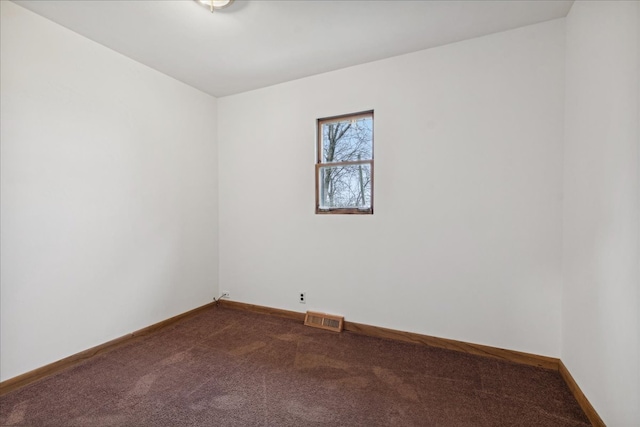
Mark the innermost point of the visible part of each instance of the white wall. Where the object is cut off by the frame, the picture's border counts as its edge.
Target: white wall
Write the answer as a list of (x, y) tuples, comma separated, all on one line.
[(601, 255), (109, 194), (465, 242)]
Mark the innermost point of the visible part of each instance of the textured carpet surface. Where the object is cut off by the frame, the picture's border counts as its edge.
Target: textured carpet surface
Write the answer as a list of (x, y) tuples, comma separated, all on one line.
[(230, 368)]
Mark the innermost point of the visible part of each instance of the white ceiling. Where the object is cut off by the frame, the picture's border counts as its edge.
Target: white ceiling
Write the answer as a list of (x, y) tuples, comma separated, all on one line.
[(257, 43)]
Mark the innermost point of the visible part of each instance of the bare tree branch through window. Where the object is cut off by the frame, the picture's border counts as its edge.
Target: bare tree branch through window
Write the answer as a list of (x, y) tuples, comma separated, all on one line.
[(344, 172)]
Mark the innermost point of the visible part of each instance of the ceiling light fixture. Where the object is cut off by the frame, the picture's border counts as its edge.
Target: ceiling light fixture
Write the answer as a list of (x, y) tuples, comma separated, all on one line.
[(215, 4)]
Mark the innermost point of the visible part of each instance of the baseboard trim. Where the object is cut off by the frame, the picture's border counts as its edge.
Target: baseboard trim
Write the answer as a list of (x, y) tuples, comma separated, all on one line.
[(294, 315), (52, 368), (584, 403), (379, 332), (449, 344)]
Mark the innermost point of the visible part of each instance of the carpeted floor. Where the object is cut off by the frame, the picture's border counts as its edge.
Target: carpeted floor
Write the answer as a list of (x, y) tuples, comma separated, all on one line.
[(230, 368)]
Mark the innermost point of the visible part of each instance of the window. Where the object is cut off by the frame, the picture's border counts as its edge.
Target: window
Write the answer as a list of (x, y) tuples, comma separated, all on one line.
[(344, 169)]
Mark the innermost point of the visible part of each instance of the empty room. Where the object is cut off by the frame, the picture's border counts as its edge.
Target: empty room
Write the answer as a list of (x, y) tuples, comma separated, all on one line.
[(319, 212)]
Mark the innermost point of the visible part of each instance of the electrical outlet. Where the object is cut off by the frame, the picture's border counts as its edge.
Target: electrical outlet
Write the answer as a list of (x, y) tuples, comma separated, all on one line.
[(303, 297), (225, 294)]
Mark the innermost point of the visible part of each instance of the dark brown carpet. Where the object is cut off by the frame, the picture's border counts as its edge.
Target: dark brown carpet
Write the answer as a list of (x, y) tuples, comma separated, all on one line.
[(230, 368)]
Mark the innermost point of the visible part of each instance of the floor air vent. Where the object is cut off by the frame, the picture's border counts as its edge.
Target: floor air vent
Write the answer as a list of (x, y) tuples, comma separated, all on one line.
[(324, 321)]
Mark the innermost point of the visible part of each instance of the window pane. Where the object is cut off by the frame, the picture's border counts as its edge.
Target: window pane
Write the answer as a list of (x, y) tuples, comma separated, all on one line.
[(347, 140), (345, 186)]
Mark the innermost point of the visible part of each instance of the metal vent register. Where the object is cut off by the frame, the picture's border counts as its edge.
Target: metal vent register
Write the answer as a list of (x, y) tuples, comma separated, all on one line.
[(329, 322)]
